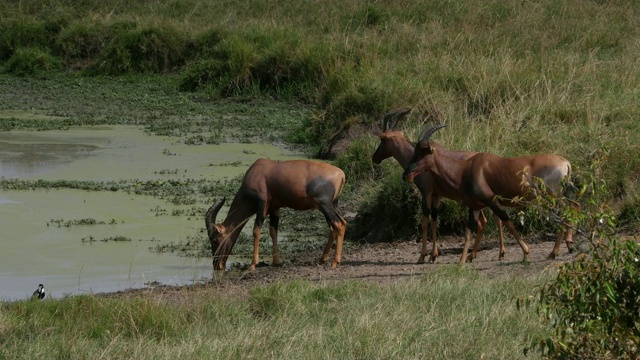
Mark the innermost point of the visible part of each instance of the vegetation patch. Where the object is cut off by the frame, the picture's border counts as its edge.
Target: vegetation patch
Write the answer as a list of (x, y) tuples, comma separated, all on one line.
[(31, 61), (327, 318), (29, 115), (81, 222), (592, 305), (116, 238)]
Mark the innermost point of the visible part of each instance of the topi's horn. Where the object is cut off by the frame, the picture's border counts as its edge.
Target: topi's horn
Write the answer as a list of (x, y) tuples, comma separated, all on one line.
[(399, 116), (391, 119), (212, 213), (429, 131)]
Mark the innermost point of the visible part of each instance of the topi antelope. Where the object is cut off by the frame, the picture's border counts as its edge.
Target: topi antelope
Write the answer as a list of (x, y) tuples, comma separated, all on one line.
[(394, 144), (487, 180), (268, 186)]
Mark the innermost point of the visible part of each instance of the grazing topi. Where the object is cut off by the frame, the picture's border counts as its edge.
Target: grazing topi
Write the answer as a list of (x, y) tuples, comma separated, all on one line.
[(268, 186)]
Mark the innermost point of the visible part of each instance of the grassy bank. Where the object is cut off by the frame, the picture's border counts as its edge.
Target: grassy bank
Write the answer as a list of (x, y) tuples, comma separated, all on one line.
[(507, 77), (449, 313)]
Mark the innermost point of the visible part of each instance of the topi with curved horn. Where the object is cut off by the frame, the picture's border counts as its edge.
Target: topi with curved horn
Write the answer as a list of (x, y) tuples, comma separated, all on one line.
[(394, 144), (268, 186), (487, 180)]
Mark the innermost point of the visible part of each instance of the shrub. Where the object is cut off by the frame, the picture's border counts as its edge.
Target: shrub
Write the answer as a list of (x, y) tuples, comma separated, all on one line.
[(203, 73), (594, 305), (629, 215), (29, 61), (275, 63), (151, 48), (82, 41), (19, 34), (388, 211), (284, 69), (363, 99), (204, 43), (356, 160)]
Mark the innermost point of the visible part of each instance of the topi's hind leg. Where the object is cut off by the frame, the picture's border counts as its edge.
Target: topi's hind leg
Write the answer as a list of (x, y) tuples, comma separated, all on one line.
[(434, 248), (332, 236), (502, 214), (566, 234), (424, 226), (523, 245), (503, 250), (337, 226), (569, 238)]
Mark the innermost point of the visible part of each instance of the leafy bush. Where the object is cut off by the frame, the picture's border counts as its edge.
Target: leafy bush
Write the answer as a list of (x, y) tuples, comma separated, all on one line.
[(356, 160), (203, 73), (371, 15), (630, 214), (285, 69), (205, 42), (594, 305), (359, 100), (275, 63)]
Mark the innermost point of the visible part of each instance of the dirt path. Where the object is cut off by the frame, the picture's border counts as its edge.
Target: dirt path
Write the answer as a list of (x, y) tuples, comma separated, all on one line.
[(381, 263)]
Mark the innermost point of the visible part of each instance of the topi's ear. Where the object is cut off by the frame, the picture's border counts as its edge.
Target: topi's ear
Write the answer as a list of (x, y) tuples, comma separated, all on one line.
[(220, 228)]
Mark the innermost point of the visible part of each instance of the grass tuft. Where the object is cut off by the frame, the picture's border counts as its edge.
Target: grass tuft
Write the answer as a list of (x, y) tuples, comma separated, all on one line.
[(31, 61)]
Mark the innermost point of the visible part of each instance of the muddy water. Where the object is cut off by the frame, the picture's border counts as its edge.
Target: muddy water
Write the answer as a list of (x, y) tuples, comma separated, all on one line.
[(34, 249)]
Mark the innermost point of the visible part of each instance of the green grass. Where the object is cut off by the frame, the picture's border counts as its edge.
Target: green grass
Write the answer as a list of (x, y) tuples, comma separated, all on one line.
[(448, 313)]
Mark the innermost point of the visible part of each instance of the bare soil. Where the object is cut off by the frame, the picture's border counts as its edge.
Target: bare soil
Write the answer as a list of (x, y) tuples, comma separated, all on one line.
[(381, 263)]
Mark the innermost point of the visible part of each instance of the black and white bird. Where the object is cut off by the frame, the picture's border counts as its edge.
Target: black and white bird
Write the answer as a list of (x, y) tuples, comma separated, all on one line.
[(39, 293)]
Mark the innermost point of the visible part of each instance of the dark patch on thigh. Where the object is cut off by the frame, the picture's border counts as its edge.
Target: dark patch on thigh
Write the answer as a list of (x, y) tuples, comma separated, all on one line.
[(322, 190), (500, 212)]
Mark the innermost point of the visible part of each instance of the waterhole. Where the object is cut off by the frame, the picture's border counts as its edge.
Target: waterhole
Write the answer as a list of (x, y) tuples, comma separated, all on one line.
[(42, 233)]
